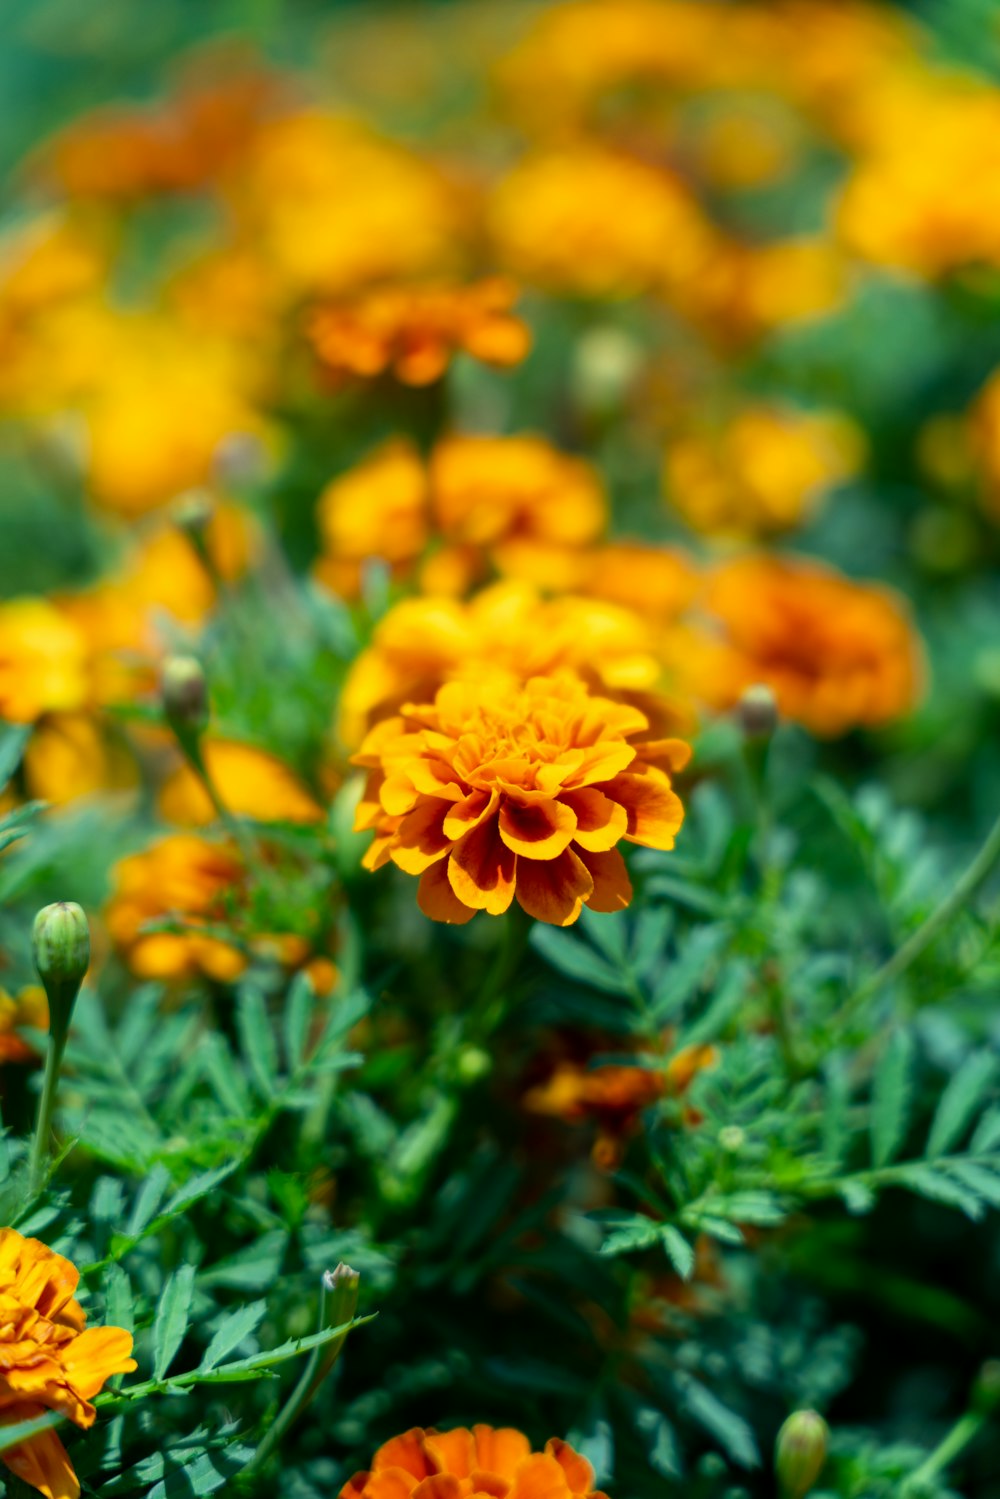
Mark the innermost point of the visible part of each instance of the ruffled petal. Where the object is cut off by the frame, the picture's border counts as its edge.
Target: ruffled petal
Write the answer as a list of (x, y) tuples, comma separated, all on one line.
[(420, 838), (499, 1449), (553, 890), (600, 822), (540, 1477), (437, 899), (654, 810), (579, 1473), (538, 831), (612, 886), (482, 869)]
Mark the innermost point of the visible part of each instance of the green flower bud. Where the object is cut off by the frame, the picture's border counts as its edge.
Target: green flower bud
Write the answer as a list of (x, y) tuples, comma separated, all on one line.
[(192, 512), (800, 1452), (185, 696), (60, 942), (757, 711)]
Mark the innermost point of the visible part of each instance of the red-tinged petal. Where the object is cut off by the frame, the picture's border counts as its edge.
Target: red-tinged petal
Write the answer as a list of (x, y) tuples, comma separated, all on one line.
[(481, 870), (355, 1487), (600, 822), (439, 1486), (469, 813), (500, 1449), (540, 830), (421, 839), (579, 1473), (540, 1477), (612, 886), (437, 899), (654, 811), (406, 1451), (44, 1464), (390, 1483), (553, 890)]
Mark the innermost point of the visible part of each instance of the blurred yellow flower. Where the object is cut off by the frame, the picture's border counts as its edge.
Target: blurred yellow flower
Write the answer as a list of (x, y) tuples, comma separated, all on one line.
[(43, 660), (378, 509), (250, 782), (28, 1008)]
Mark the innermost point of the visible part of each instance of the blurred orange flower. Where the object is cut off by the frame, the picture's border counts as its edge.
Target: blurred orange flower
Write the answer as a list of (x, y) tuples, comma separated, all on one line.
[(43, 660), (837, 654), (500, 789), (250, 782), (413, 331), (377, 510), (49, 1359), (499, 1461), (28, 1008)]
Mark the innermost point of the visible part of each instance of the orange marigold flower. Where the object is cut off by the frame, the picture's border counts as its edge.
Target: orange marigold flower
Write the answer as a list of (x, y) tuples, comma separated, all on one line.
[(378, 509), (414, 330), (837, 654), (501, 790), (29, 1008), (498, 1461), (423, 642), (185, 879), (49, 1359)]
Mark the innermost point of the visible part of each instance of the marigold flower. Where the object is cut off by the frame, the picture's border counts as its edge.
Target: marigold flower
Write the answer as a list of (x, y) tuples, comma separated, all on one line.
[(250, 781), (378, 509), (590, 222), (29, 1008), (485, 1460), (500, 789), (762, 472), (423, 642), (43, 660), (414, 330), (51, 1361), (837, 654)]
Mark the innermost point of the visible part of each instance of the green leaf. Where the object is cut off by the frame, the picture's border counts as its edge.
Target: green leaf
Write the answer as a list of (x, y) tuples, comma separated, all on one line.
[(237, 1326), (257, 1040), (961, 1101), (298, 1014), (172, 1316), (11, 750), (932, 1182), (194, 1189), (891, 1098), (577, 960), (148, 1199), (727, 1427), (633, 1232), (679, 1251), (986, 1138)]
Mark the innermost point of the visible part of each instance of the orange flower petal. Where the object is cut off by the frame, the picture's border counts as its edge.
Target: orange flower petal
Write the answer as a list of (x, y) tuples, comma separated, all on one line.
[(453, 1451), (540, 830), (600, 822), (601, 763), (579, 1473), (390, 1483), (654, 810), (95, 1355), (437, 899), (420, 837), (44, 1464), (612, 886), (355, 1487), (407, 1452), (469, 813), (553, 890), (500, 1449), (397, 795), (481, 870), (540, 1477), (439, 1486)]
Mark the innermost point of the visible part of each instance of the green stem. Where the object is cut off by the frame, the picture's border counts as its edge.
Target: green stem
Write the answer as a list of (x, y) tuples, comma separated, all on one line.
[(46, 1111), (905, 956), (965, 1429), (191, 749)]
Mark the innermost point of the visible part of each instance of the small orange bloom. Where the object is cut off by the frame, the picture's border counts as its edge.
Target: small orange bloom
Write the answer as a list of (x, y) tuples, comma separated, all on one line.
[(500, 789), (29, 1008), (485, 1461), (837, 654), (414, 330), (378, 509), (49, 1359)]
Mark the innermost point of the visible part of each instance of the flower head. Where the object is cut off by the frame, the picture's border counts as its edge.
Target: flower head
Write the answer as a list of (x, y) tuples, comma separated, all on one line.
[(49, 1359), (43, 660), (413, 331), (29, 1008), (486, 1460), (500, 790), (837, 654)]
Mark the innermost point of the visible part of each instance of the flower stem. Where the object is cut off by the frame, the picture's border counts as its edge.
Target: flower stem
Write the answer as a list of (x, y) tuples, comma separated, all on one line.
[(952, 1444), (46, 1111)]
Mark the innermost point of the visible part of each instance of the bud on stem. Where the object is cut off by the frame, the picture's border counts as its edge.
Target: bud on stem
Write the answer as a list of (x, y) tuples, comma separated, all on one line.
[(800, 1452), (60, 941), (185, 697)]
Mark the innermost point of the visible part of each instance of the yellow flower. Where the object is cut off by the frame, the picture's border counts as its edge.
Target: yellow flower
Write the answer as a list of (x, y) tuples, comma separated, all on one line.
[(763, 472), (43, 661), (49, 1359), (423, 642), (414, 330), (586, 221), (250, 782), (378, 509), (499, 790), (28, 1008)]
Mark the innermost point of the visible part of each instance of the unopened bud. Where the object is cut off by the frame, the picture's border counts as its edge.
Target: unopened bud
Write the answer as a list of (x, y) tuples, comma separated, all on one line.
[(60, 942), (757, 710), (192, 513), (185, 695), (800, 1452)]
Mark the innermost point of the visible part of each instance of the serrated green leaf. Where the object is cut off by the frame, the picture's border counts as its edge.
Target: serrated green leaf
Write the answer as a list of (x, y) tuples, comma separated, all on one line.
[(577, 960), (257, 1040), (679, 1251), (961, 1101), (147, 1200), (299, 1007), (728, 1428), (237, 1326), (891, 1098), (930, 1181), (173, 1313)]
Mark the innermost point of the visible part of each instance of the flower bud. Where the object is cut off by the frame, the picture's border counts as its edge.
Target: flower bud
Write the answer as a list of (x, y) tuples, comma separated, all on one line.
[(757, 711), (800, 1452), (60, 942), (192, 513), (185, 695)]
